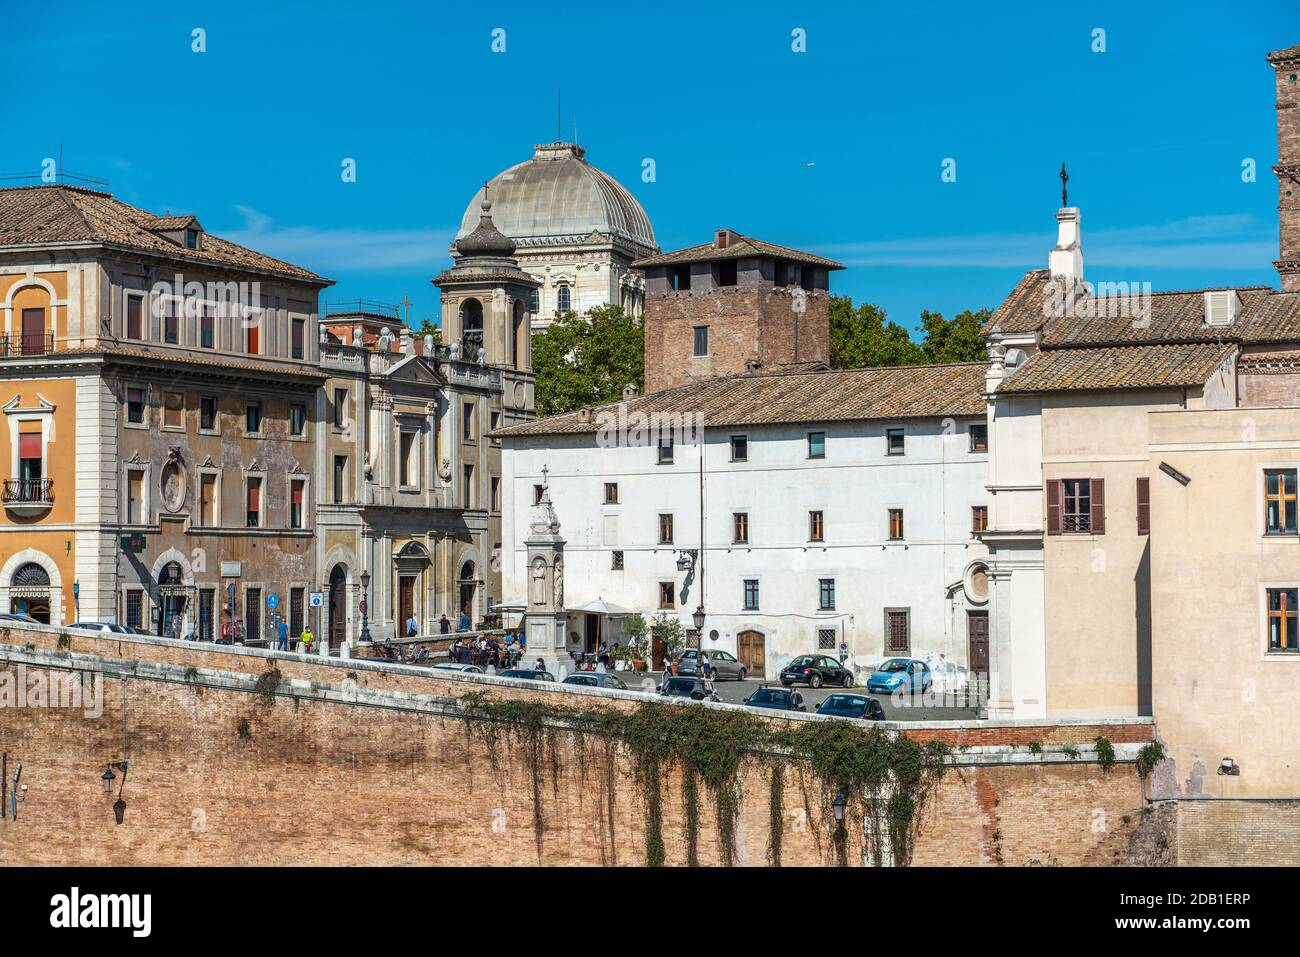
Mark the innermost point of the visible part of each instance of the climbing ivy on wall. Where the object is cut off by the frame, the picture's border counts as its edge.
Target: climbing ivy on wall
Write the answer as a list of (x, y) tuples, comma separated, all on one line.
[(885, 780)]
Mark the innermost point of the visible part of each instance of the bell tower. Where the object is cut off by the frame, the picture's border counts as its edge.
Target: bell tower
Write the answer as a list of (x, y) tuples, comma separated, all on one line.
[(1286, 66)]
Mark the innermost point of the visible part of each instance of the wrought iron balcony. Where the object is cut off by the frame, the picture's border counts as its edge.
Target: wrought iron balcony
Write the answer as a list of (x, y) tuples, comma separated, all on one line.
[(17, 344), (28, 495)]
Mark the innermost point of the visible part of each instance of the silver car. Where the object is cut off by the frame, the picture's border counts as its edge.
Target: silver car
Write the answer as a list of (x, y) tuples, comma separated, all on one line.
[(595, 679), (725, 664)]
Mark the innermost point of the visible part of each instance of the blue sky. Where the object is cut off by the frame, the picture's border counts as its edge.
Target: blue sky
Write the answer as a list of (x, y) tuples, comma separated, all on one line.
[(837, 150)]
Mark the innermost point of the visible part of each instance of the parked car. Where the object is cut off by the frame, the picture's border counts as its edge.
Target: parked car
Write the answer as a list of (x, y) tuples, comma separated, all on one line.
[(459, 666), (18, 616), (98, 626), (852, 706), (595, 679), (777, 699), (686, 688), (528, 674), (816, 670), (900, 674), (725, 664)]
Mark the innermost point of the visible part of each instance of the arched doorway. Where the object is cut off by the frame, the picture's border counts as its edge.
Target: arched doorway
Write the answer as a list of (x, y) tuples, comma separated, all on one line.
[(338, 606), (468, 588), (172, 599), (29, 592)]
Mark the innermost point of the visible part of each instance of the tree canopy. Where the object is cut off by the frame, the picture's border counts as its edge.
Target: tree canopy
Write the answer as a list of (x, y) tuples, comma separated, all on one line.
[(588, 359), (864, 336)]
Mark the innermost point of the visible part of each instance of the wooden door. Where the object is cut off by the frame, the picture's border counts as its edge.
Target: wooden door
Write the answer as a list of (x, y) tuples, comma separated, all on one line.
[(33, 332), (751, 649), (977, 632), (405, 602)]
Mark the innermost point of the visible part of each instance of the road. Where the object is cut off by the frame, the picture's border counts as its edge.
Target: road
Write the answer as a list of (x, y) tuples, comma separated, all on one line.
[(922, 709)]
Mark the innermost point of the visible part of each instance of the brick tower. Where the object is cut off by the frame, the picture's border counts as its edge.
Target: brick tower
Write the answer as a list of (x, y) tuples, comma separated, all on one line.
[(734, 305), (1286, 64)]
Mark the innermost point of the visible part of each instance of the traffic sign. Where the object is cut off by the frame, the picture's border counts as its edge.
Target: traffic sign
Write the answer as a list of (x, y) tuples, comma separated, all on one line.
[(272, 600), (317, 599)]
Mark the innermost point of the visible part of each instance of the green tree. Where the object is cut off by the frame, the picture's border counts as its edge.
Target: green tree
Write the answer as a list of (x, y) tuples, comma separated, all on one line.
[(587, 360), (427, 328), (954, 340), (864, 337)]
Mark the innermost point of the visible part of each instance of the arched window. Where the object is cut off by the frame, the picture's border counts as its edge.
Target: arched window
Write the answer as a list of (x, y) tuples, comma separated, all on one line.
[(31, 575), (562, 301), (471, 317)]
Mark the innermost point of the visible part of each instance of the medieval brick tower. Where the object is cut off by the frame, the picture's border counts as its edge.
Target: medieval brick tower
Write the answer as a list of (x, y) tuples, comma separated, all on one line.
[(734, 305), (1286, 64)]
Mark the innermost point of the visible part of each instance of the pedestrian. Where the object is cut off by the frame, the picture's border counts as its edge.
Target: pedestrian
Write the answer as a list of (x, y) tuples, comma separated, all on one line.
[(412, 627), (282, 636), (463, 624), (306, 640), (539, 665), (444, 626), (706, 672)]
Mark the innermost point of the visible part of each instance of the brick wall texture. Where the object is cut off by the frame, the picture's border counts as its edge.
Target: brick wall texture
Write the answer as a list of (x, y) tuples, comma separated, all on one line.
[(314, 781), (773, 325)]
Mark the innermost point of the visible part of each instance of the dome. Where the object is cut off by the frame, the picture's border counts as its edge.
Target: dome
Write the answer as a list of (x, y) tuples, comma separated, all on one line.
[(486, 239), (557, 195)]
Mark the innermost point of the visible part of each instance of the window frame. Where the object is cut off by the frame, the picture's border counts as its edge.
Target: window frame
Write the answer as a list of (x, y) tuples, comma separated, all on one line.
[(892, 433), (611, 493), (750, 594), (816, 525), (249, 405), (698, 332), (826, 594), (979, 518), (897, 531), (1288, 615), (743, 438), (984, 429), (669, 525), (1283, 499), (667, 595), (215, 427), (143, 421), (811, 453)]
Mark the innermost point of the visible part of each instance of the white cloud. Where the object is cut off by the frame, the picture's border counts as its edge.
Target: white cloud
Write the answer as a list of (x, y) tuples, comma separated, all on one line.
[(342, 249), (1234, 241)]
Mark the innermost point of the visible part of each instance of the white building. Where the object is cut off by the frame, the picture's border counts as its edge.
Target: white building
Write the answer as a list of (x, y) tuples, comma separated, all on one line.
[(576, 229), (839, 507)]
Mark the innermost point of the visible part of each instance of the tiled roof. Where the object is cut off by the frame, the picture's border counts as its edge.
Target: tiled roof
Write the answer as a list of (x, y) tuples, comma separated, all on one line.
[(68, 214), (738, 247), (218, 363), (1118, 367), (834, 395), (1266, 316)]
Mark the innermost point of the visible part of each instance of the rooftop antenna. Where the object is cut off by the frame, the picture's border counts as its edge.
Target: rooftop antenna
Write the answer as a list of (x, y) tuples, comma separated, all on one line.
[(1065, 178)]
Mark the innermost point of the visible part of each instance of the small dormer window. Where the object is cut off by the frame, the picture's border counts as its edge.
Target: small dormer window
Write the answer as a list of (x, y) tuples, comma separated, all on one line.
[(1222, 307), (191, 239)]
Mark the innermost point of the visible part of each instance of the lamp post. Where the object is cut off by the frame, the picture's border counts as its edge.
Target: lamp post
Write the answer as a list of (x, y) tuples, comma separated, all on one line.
[(838, 805), (698, 617), (365, 606)]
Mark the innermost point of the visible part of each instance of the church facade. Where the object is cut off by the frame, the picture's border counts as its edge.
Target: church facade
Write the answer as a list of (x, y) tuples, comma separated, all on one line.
[(576, 230)]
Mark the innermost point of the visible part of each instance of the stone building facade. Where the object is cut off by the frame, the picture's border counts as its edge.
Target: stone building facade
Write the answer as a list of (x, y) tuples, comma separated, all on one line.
[(159, 384)]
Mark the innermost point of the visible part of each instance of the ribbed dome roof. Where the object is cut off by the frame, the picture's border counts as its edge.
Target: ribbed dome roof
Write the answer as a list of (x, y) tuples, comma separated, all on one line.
[(557, 194)]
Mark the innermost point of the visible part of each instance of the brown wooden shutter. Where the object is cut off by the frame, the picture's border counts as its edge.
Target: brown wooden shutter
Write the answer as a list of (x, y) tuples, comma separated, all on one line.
[(1098, 489), (1144, 506), (1053, 506)]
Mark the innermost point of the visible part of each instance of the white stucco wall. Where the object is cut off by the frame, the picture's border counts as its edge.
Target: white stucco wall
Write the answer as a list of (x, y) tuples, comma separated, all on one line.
[(936, 482)]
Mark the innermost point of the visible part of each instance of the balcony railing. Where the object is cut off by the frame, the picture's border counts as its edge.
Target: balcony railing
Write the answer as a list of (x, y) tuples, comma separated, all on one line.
[(26, 344), (29, 491)]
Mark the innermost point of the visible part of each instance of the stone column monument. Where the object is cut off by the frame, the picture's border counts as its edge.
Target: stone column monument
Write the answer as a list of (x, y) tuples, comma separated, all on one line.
[(545, 618)]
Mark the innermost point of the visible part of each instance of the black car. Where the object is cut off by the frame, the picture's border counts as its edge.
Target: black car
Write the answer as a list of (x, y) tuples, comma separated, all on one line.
[(527, 674), (816, 670), (777, 699), (852, 706), (686, 688)]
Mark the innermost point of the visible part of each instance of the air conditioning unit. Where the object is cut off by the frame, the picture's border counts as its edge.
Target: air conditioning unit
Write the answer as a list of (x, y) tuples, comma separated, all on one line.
[(1222, 307)]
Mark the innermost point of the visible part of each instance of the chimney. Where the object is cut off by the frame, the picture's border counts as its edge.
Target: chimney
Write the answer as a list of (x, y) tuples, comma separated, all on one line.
[(629, 392), (1286, 66), (723, 239)]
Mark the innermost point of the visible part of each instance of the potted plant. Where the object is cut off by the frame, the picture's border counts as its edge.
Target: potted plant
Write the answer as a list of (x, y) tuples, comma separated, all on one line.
[(634, 632), (622, 655), (672, 633)]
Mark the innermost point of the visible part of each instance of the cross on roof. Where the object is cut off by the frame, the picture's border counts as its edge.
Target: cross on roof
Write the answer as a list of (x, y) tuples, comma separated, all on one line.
[(1065, 178)]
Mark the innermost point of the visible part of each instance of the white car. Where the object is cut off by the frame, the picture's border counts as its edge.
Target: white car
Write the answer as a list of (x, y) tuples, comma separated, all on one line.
[(98, 626), (458, 666)]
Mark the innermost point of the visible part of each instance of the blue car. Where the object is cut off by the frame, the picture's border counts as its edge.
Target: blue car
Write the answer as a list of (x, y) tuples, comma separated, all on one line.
[(907, 675)]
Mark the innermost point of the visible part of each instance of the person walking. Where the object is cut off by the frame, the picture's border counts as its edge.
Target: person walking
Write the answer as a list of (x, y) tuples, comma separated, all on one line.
[(706, 673), (444, 626), (305, 641), (282, 636)]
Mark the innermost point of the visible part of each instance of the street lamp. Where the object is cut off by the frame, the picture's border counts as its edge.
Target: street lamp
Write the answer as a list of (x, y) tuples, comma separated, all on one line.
[(838, 805), (365, 606), (698, 619)]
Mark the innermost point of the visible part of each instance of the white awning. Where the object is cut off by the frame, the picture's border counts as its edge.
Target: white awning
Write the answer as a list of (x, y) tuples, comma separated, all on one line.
[(601, 607), (520, 605)]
